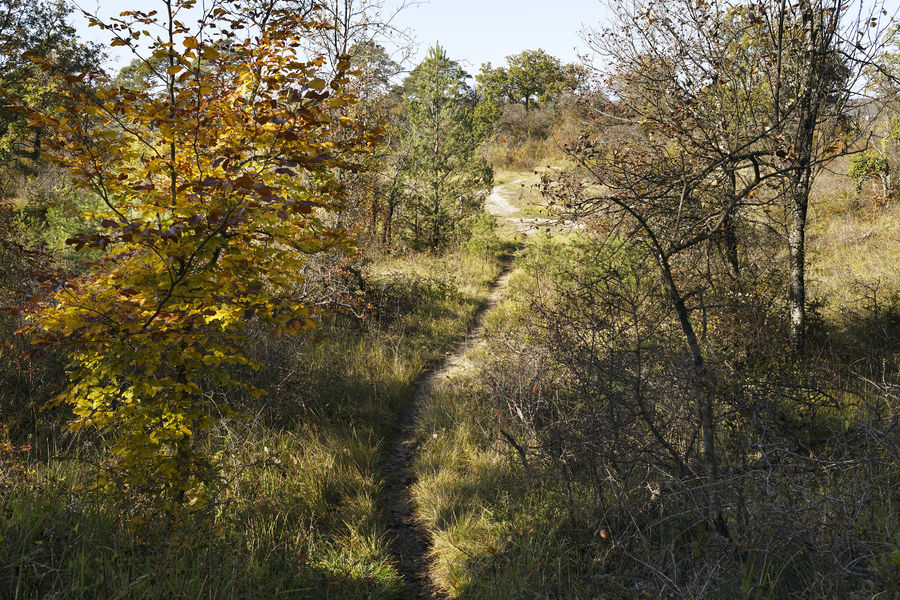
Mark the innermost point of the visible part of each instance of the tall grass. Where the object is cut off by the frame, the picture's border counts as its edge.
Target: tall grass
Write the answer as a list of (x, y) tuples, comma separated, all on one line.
[(497, 531), (299, 516), (551, 528)]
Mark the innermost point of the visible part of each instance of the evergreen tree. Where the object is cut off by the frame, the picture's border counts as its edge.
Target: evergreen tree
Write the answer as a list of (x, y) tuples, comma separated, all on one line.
[(446, 177)]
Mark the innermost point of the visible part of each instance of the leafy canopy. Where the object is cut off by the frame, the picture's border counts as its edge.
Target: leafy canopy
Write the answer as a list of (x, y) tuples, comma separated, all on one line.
[(40, 27), (530, 77)]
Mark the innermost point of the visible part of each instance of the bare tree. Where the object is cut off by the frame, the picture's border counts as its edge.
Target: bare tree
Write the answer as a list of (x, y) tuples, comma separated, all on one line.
[(732, 109), (774, 81)]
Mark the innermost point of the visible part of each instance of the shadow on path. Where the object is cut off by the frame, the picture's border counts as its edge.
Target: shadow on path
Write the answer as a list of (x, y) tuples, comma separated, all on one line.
[(411, 543)]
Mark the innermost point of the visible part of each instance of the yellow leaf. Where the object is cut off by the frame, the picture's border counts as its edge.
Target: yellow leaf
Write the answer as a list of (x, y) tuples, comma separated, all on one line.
[(317, 84), (191, 42), (173, 69)]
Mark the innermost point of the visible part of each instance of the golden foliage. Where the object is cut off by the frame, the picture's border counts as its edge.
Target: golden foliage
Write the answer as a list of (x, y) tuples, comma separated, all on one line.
[(215, 183)]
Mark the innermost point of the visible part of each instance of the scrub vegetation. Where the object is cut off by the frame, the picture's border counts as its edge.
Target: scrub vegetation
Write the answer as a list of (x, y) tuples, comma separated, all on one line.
[(284, 315)]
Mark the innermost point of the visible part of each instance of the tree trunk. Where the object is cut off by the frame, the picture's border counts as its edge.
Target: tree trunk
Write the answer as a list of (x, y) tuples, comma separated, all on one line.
[(729, 233), (706, 388), (388, 221), (797, 247), (809, 103), (373, 216)]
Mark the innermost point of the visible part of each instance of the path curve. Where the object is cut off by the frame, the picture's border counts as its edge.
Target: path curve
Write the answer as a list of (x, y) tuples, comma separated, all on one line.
[(500, 205), (411, 543)]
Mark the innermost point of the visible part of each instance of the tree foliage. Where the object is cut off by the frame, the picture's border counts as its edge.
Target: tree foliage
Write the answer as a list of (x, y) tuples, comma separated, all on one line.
[(41, 28), (531, 77), (446, 179), (214, 193)]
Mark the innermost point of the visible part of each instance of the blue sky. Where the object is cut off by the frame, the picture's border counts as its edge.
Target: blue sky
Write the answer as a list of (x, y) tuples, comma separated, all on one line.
[(477, 31), (472, 31)]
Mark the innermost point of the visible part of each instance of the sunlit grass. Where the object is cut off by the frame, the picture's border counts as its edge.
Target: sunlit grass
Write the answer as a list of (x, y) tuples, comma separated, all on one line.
[(854, 253), (300, 516), (500, 532)]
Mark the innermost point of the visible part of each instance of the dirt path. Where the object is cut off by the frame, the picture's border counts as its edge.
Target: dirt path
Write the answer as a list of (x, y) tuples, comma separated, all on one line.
[(500, 204), (411, 542)]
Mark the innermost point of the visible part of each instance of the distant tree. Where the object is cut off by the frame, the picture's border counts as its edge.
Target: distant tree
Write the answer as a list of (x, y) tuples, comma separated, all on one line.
[(361, 30), (374, 69), (144, 74), (532, 77), (871, 165), (494, 93), (445, 177), (40, 27)]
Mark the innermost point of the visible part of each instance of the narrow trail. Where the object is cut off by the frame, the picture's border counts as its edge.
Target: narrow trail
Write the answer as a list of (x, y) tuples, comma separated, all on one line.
[(410, 540)]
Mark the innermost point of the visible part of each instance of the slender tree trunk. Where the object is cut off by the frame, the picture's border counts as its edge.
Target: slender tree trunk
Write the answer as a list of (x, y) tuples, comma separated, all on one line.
[(706, 388), (797, 247), (373, 216), (729, 233), (388, 221), (436, 222), (801, 177)]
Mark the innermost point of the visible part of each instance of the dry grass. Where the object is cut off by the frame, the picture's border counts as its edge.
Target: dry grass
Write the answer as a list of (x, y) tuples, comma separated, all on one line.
[(299, 517)]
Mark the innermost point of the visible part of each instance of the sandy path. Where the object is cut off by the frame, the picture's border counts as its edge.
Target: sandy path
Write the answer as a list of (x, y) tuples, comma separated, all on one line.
[(500, 204), (411, 543)]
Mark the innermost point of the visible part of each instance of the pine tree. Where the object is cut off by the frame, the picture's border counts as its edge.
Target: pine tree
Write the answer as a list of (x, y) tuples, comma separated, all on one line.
[(447, 178)]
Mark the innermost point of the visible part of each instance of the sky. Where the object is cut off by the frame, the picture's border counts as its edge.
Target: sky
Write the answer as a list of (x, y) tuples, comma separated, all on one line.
[(478, 31), (472, 31)]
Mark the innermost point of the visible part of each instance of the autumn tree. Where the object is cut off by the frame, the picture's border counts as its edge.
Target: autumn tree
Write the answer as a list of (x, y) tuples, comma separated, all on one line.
[(446, 179), (213, 194), (362, 30), (784, 77)]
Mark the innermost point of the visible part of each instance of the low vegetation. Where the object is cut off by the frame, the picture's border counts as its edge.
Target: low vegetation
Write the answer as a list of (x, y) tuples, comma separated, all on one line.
[(299, 515), (239, 274)]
